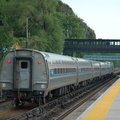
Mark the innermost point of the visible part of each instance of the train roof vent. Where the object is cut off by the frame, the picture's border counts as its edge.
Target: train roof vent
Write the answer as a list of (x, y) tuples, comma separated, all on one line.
[(47, 55)]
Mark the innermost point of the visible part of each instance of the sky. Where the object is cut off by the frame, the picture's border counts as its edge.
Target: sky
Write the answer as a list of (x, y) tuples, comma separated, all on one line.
[(103, 16)]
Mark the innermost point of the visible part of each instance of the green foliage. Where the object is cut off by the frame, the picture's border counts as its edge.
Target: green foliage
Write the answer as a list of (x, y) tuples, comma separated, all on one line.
[(49, 23)]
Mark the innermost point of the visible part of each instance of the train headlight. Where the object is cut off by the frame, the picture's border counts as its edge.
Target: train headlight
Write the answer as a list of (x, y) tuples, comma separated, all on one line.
[(41, 93), (43, 85), (3, 85)]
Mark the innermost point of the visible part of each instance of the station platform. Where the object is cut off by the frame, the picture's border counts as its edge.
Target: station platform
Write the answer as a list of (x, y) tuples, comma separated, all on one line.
[(106, 107)]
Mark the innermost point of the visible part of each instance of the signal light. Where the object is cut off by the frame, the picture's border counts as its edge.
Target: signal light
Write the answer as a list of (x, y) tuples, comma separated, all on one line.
[(39, 62), (8, 61)]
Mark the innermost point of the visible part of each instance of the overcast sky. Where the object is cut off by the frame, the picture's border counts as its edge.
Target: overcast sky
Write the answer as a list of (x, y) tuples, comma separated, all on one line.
[(103, 16)]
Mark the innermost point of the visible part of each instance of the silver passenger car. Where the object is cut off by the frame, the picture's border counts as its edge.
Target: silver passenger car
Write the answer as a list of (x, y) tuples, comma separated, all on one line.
[(85, 71), (96, 69), (35, 76)]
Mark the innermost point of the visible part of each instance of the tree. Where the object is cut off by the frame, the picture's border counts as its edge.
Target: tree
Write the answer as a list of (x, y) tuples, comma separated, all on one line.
[(49, 23)]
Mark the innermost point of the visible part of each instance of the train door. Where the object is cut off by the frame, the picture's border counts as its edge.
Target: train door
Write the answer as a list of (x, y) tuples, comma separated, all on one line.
[(22, 76)]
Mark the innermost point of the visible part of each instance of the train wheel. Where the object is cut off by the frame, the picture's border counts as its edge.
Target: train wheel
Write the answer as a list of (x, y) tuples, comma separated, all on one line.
[(38, 101), (17, 102), (49, 96)]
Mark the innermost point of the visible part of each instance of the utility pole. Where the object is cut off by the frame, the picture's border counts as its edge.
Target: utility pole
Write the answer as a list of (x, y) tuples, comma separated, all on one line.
[(26, 32)]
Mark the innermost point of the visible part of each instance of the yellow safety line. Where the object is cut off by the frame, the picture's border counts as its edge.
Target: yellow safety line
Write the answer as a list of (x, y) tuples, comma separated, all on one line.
[(100, 110)]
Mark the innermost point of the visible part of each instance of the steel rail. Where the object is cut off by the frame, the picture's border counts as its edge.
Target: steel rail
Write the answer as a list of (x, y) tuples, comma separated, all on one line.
[(61, 117)]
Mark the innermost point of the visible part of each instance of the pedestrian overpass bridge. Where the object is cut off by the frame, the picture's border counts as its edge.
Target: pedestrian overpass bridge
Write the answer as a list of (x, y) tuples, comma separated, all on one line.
[(87, 46), (91, 46)]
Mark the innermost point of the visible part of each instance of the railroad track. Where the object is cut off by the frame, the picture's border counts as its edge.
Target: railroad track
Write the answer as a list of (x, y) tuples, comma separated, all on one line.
[(71, 109), (5, 100), (2, 100), (12, 112), (54, 106)]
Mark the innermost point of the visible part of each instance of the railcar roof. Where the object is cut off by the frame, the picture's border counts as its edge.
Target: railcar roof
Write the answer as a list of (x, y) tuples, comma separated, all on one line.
[(48, 55)]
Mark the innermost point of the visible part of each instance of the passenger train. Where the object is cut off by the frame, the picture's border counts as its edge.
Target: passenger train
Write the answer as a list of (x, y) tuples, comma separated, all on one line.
[(34, 76)]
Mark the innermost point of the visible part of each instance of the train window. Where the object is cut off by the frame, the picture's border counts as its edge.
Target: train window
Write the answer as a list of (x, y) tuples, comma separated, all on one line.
[(64, 70), (60, 70), (24, 64), (55, 71)]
